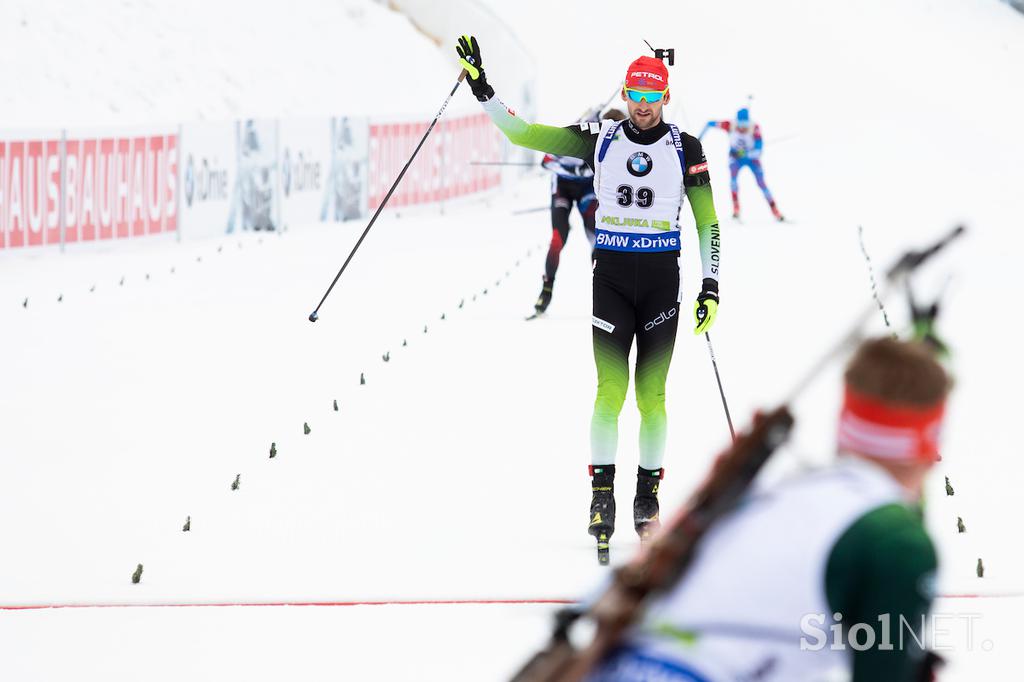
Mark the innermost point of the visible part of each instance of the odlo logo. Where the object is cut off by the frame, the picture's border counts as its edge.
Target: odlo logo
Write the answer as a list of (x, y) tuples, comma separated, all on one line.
[(639, 164), (662, 317)]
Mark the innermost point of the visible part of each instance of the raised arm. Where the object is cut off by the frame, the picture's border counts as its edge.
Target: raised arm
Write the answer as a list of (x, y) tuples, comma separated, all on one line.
[(724, 125), (578, 141)]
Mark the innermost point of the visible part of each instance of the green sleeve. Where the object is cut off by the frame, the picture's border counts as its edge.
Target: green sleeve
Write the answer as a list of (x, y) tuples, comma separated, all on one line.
[(883, 564), (577, 141), (708, 233)]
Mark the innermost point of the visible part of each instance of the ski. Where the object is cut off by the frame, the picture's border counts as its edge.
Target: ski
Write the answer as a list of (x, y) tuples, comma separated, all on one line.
[(603, 551), (534, 316)]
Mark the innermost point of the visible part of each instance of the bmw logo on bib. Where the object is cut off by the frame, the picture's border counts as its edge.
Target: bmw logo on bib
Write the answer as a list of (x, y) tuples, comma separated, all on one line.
[(639, 164)]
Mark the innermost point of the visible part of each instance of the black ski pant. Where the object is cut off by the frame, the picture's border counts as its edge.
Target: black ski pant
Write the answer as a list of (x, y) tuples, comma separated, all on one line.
[(636, 295)]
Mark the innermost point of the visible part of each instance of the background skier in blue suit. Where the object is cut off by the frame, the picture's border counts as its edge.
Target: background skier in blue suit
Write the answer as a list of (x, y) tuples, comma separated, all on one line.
[(745, 147)]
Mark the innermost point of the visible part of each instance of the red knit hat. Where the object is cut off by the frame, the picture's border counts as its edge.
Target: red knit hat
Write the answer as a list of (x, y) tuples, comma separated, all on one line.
[(647, 73)]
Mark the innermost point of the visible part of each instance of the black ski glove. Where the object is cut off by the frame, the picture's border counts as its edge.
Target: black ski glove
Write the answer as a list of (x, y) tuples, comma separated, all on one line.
[(469, 56)]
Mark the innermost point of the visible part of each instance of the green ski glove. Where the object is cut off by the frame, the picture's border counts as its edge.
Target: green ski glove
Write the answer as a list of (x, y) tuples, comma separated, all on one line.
[(468, 50), (706, 307)]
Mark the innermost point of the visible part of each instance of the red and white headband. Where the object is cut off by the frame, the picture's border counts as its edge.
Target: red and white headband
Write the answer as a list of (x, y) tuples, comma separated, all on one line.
[(902, 433)]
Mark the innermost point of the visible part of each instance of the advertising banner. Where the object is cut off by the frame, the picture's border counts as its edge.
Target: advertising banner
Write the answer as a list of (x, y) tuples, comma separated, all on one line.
[(254, 195), (442, 170), (119, 183), (347, 183), (30, 191), (89, 184), (305, 146), (229, 177), (207, 179), (208, 170)]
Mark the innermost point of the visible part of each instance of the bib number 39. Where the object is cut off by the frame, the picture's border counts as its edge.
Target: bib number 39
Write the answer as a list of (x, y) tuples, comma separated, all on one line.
[(644, 196)]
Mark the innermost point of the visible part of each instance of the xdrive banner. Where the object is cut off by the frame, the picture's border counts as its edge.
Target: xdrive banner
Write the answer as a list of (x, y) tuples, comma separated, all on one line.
[(323, 169), (208, 170), (229, 177)]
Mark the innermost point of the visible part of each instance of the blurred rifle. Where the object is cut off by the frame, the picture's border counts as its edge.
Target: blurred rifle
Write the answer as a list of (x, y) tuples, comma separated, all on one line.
[(667, 557)]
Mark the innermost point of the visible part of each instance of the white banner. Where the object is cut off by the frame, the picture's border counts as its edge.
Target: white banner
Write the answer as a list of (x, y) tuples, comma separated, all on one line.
[(323, 169), (208, 170), (229, 177), (305, 155)]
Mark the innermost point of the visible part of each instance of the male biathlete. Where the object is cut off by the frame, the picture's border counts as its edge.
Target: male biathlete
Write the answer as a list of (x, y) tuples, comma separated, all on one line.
[(643, 169)]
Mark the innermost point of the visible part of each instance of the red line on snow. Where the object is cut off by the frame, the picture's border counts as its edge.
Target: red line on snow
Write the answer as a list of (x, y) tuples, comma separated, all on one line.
[(993, 595), (392, 602), (389, 602)]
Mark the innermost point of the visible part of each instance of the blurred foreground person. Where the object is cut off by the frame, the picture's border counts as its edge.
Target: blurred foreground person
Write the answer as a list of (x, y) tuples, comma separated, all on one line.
[(826, 576)]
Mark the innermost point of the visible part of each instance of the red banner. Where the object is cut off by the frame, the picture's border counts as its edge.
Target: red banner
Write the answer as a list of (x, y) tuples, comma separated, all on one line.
[(113, 187), (442, 169)]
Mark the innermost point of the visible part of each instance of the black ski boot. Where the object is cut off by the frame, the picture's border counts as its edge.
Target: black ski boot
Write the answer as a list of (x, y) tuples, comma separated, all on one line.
[(602, 508), (645, 504), (544, 300)]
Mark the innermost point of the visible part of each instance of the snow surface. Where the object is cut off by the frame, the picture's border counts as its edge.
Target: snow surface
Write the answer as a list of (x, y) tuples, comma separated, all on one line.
[(458, 470), (145, 61)]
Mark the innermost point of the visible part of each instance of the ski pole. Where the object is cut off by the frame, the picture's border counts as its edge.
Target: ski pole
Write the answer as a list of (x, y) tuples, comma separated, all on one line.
[(313, 316), (907, 263), (721, 392)]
